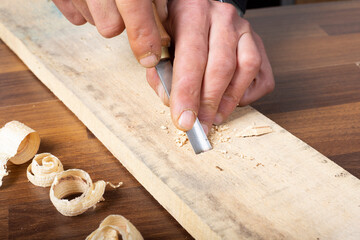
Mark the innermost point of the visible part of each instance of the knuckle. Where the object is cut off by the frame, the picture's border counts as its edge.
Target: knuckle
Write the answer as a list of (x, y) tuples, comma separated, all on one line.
[(242, 103), (210, 103), (141, 33), (77, 19), (270, 85), (251, 62), (185, 86), (229, 10), (231, 98), (109, 31), (245, 25)]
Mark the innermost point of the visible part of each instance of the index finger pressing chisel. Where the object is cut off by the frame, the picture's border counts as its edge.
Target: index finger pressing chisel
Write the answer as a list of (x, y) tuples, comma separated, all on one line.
[(196, 135)]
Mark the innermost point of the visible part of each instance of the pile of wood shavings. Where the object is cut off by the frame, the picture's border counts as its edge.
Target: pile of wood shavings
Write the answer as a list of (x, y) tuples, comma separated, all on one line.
[(217, 134), (220, 134), (181, 138)]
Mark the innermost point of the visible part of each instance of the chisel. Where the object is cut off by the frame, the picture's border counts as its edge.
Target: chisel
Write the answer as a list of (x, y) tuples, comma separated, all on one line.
[(196, 135)]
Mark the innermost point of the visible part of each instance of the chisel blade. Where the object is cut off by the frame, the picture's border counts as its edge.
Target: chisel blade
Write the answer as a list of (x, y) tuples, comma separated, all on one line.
[(196, 135)]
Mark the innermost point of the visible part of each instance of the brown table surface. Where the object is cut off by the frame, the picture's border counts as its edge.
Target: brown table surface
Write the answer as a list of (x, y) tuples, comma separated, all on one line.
[(315, 53)]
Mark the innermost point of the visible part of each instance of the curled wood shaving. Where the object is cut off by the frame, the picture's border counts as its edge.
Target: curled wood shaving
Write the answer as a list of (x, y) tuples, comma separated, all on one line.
[(43, 169), (18, 144), (252, 131), (114, 225), (75, 181)]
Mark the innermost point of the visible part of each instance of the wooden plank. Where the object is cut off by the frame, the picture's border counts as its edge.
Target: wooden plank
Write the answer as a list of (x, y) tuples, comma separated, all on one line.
[(98, 79)]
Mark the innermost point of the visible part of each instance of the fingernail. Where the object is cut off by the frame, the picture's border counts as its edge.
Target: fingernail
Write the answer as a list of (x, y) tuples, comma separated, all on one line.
[(149, 60), (218, 119), (206, 129), (187, 120)]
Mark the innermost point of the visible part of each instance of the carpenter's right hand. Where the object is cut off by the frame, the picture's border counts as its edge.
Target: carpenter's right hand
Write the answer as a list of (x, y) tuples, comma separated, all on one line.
[(112, 16), (220, 62)]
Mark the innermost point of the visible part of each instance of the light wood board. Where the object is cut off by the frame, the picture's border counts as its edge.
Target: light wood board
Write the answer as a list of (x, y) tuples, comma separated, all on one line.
[(288, 191)]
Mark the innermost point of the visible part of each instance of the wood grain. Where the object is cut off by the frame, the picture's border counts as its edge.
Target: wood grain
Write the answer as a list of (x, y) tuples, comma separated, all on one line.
[(63, 132), (303, 89), (26, 210)]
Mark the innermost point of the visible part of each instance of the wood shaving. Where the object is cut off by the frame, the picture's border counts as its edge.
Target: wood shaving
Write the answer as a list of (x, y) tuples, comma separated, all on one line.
[(113, 226), (342, 174), (252, 131), (43, 169), (225, 139), (163, 127), (75, 181), (182, 138), (222, 128), (219, 168), (224, 151), (18, 144), (244, 156), (216, 134)]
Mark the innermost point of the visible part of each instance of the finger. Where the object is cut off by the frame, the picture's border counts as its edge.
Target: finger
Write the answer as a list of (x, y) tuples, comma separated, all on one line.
[(161, 7), (261, 86), (264, 83), (84, 10), (154, 81), (221, 63), (141, 29), (106, 16), (191, 37), (249, 62), (70, 12)]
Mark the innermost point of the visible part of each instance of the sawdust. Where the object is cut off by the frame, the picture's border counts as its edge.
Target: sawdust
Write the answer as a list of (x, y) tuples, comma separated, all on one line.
[(219, 135), (181, 138), (216, 134)]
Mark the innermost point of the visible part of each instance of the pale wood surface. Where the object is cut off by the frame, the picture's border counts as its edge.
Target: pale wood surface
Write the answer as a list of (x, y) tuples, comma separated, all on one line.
[(243, 200)]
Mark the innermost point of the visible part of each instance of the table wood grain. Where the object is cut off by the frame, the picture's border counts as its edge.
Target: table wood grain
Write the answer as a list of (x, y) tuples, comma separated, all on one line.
[(315, 53)]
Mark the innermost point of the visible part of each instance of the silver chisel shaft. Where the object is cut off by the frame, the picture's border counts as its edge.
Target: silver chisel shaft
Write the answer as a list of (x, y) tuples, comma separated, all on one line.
[(196, 135)]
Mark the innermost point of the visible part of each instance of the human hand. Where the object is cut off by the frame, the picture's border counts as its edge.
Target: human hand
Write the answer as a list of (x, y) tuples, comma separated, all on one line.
[(220, 62), (111, 16)]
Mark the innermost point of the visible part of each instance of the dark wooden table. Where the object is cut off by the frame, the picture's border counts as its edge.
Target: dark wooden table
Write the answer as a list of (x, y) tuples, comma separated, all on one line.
[(315, 53)]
